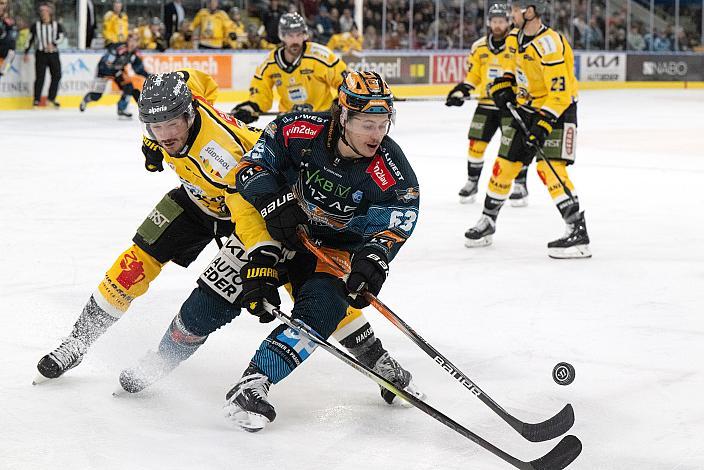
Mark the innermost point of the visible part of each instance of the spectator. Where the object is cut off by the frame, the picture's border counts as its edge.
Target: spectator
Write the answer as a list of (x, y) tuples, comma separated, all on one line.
[(371, 41), (254, 41), (174, 16), (44, 34), (151, 37), (183, 38), (346, 21), (345, 42), (323, 26), (661, 42), (636, 42), (210, 27), (115, 24), (270, 22), (237, 33)]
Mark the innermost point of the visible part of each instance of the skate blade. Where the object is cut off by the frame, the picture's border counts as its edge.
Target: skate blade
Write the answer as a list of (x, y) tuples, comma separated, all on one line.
[(40, 379), (484, 241), (468, 199), (411, 389), (573, 252), (250, 422), (522, 202)]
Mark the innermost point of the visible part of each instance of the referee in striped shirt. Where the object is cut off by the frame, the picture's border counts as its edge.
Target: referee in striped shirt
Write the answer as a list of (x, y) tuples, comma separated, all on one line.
[(44, 35)]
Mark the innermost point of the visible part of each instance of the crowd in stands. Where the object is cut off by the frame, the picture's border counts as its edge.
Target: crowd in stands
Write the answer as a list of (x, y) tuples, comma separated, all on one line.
[(331, 22)]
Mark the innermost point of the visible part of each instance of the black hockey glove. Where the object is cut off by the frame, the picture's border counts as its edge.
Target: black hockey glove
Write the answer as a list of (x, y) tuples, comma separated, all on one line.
[(260, 282), (247, 112), (153, 157), (302, 108), (540, 129), (503, 91), (370, 267), (283, 215), (458, 94)]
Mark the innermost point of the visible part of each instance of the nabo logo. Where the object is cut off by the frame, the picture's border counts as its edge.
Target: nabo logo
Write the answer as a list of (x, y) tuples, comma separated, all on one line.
[(671, 68)]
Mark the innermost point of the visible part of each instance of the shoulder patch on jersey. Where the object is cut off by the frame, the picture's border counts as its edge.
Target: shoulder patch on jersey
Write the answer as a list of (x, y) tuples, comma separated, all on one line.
[(380, 173), (407, 195), (216, 159), (270, 129), (320, 52), (301, 130), (547, 44), (479, 42)]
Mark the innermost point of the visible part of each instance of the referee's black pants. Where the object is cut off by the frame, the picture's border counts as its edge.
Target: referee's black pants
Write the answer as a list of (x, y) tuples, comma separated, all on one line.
[(42, 60)]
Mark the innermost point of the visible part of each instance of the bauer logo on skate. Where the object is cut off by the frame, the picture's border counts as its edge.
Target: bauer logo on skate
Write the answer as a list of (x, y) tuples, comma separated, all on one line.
[(380, 173), (301, 130)]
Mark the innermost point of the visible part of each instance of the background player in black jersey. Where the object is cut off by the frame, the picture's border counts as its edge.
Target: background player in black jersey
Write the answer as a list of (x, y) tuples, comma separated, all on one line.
[(112, 66)]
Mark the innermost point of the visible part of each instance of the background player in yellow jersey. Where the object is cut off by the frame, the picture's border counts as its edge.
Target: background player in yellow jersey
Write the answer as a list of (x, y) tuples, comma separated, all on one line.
[(306, 75), (547, 95), (202, 145), (210, 26), (115, 24), (487, 60)]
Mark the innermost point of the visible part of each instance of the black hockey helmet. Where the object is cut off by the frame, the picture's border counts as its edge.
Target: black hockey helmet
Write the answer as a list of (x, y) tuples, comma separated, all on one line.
[(540, 6), (499, 10), (164, 96), (292, 23)]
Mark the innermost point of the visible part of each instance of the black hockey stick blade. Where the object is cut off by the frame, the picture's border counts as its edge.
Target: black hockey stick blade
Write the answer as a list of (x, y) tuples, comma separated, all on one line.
[(560, 456), (551, 428)]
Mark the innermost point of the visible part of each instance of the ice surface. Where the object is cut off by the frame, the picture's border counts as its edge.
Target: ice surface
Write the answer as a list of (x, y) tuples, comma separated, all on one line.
[(630, 320)]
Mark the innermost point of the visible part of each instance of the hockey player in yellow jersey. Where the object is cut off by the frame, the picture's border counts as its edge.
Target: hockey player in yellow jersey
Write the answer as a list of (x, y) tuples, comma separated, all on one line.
[(351, 40), (543, 86), (306, 75), (115, 24), (487, 60), (202, 145), (210, 27)]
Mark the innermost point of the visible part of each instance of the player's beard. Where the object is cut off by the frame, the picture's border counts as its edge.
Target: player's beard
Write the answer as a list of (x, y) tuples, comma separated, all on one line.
[(294, 49), (499, 33)]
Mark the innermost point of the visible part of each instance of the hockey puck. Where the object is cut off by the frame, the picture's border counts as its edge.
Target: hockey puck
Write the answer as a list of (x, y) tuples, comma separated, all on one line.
[(563, 373)]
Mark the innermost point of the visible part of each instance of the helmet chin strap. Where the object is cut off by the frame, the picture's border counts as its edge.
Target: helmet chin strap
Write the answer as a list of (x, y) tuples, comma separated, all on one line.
[(344, 116)]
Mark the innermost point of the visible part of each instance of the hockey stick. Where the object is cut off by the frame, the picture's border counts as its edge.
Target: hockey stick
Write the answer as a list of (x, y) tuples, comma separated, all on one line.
[(523, 127), (558, 458), (534, 432), (432, 98)]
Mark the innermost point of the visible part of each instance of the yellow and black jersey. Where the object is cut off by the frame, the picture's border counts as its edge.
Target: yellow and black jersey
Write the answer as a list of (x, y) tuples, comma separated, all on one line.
[(345, 42), (212, 26), (544, 70), (236, 34), (312, 79), (215, 145), (179, 41), (487, 60), (115, 27)]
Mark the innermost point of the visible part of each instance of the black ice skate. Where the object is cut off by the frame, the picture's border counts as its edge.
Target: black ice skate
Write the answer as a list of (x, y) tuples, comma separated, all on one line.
[(481, 234), (84, 104), (67, 356), (247, 403), (122, 114), (468, 193), (151, 368), (387, 367), (575, 242), (519, 195)]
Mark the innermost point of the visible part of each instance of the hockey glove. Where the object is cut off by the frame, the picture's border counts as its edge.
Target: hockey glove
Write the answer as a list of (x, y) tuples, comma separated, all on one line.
[(458, 94), (153, 157), (260, 282), (543, 122), (247, 112), (282, 216), (370, 267), (503, 91)]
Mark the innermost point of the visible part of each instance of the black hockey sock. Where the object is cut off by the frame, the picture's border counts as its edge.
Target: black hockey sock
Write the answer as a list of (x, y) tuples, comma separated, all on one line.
[(522, 176), (92, 323), (492, 207), (569, 209), (474, 170)]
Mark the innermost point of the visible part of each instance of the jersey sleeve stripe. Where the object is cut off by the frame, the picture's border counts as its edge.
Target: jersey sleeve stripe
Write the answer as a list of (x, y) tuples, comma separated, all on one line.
[(550, 64)]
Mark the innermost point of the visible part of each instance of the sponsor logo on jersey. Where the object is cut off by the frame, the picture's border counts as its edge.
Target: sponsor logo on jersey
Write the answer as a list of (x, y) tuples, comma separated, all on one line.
[(271, 129), (380, 173), (218, 160), (301, 130), (158, 218), (408, 195), (357, 196), (132, 270)]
